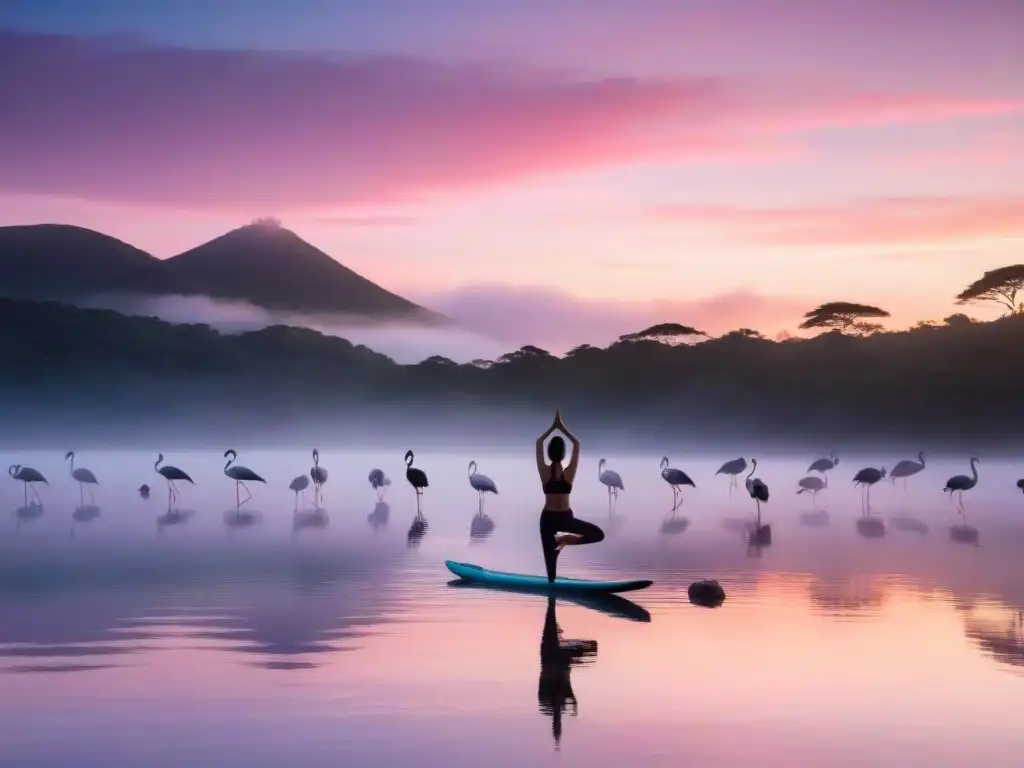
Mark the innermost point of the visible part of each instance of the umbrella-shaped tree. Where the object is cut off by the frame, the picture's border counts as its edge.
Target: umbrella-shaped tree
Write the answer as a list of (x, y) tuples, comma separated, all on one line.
[(843, 316), (997, 285), (664, 333)]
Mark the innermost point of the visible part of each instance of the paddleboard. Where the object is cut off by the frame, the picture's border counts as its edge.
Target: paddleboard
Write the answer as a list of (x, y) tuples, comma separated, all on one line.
[(479, 575)]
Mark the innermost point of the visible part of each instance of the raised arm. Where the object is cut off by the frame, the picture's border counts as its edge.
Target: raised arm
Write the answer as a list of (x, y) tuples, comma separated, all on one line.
[(574, 462), (541, 464)]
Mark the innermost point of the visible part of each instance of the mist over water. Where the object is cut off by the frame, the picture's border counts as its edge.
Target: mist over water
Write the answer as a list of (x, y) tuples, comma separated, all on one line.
[(265, 636), (404, 342)]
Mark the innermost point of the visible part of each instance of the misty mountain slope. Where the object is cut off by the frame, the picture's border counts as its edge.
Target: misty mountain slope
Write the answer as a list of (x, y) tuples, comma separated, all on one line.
[(60, 261), (274, 268)]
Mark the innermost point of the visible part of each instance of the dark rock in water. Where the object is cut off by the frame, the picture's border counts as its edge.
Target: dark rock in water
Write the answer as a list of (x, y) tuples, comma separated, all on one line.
[(706, 592)]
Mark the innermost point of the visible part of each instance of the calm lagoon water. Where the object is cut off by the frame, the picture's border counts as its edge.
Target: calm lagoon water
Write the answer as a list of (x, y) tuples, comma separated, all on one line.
[(132, 637)]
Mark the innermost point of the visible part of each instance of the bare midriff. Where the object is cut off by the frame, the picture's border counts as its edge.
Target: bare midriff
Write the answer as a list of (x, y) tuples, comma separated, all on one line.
[(557, 502)]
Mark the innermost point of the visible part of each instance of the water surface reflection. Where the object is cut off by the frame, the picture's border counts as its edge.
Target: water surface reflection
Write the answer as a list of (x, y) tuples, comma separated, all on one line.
[(345, 644)]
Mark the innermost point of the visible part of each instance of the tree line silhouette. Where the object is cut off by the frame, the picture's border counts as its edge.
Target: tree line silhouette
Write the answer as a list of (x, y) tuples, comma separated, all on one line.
[(959, 379)]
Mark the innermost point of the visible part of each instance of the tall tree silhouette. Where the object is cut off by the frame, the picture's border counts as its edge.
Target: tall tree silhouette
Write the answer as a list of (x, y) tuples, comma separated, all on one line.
[(997, 285), (843, 316)]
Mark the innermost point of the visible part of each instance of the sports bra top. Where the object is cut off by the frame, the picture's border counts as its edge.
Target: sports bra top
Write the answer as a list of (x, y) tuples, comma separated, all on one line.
[(557, 485)]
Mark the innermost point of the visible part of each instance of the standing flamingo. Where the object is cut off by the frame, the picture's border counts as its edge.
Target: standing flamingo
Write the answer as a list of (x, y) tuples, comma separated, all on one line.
[(240, 474), (297, 486), (379, 482), (28, 476), (906, 468), (481, 484), (812, 485), (319, 476), (866, 478), (611, 479), (824, 465), (734, 469), (961, 483), (675, 478), (417, 478), (758, 491), (84, 477), (170, 474)]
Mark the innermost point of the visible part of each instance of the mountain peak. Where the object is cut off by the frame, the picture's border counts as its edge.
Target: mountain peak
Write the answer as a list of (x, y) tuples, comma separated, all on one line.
[(271, 266), (261, 263)]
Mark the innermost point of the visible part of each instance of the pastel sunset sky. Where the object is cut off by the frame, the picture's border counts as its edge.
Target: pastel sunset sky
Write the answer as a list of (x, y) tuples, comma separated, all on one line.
[(553, 171)]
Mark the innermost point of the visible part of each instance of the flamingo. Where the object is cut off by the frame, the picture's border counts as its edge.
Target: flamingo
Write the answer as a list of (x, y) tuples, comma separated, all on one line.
[(1020, 484), (240, 474), (380, 482), (812, 485), (610, 478), (675, 478), (906, 468), (170, 474), (28, 476), (758, 491), (144, 491), (299, 485), (481, 484), (84, 477), (866, 478), (961, 483), (732, 468), (824, 465), (319, 476), (417, 478)]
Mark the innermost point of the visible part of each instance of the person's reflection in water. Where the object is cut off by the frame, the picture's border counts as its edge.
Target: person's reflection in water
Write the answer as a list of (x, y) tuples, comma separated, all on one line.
[(557, 657)]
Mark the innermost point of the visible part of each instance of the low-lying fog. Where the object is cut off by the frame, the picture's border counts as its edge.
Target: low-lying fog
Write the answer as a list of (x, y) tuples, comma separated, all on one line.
[(403, 342)]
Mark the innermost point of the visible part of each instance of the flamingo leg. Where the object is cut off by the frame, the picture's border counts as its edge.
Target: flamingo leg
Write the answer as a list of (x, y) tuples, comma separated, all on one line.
[(81, 495), (758, 515), (26, 493), (38, 497)]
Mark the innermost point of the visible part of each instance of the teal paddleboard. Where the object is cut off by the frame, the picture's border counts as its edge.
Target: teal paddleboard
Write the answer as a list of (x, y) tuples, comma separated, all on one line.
[(478, 575)]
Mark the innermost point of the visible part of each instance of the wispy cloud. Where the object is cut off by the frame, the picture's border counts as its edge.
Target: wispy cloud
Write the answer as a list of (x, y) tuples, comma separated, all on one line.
[(367, 221), (883, 221), (249, 130)]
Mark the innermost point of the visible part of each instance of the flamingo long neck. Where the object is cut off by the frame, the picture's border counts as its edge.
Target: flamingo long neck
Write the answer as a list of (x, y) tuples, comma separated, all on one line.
[(231, 457), (71, 456), (472, 468), (13, 470), (316, 458), (664, 463), (753, 468), (409, 459), (600, 467), (921, 457), (974, 469), (158, 460)]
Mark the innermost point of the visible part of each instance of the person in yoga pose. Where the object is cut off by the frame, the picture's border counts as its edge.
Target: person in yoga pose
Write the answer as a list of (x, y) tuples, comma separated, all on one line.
[(558, 527)]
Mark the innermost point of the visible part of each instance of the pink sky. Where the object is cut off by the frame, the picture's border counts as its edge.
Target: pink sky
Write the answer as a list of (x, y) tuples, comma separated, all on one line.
[(718, 166)]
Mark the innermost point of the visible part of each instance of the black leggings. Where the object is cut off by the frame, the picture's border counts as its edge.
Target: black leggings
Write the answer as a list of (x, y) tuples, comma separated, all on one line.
[(554, 522)]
